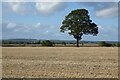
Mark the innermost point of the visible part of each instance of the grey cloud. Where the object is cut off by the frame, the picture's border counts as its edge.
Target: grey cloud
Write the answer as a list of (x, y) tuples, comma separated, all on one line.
[(44, 8), (48, 8), (103, 9), (21, 8), (29, 30), (98, 5)]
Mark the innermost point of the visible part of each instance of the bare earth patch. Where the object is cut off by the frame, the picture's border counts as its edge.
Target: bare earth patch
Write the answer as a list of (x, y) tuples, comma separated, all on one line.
[(60, 62)]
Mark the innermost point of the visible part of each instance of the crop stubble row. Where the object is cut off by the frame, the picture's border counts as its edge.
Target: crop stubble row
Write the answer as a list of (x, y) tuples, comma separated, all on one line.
[(60, 62)]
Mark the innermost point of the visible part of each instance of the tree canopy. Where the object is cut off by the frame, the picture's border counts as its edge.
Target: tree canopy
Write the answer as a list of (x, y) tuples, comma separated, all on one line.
[(77, 23)]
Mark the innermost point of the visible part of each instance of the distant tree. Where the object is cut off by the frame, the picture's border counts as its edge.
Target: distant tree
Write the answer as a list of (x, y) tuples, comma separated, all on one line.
[(118, 44), (78, 23), (47, 43), (53, 43), (103, 43), (82, 43), (21, 42), (39, 42), (64, 43)]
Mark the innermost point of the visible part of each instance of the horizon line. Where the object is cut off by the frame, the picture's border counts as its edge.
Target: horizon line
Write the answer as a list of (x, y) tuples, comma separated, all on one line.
[(58, 39)]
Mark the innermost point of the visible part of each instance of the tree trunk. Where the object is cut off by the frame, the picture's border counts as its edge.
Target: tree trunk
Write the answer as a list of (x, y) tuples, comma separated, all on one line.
[(77, 42)]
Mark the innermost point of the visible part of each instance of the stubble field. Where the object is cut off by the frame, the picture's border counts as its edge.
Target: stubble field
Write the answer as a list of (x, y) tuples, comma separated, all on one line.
[(60, 62)]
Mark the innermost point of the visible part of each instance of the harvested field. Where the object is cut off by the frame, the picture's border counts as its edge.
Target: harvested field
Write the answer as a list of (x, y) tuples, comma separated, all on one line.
[(60, 62)]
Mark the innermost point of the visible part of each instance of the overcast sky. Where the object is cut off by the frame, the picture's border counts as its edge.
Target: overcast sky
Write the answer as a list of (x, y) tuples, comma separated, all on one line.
[(42, 20)]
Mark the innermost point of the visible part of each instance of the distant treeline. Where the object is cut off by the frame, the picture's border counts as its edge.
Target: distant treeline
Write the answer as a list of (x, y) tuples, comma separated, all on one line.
[(70, 43)]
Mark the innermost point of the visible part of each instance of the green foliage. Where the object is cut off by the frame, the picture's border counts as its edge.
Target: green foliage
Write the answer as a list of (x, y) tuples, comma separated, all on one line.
[(104, 44), (39, 42), (47, 43), (115, 44), (118, 44), (64, 43), (78, 23)]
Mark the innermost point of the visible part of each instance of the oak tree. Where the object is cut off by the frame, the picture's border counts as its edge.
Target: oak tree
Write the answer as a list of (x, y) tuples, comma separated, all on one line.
[(78, 23)]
